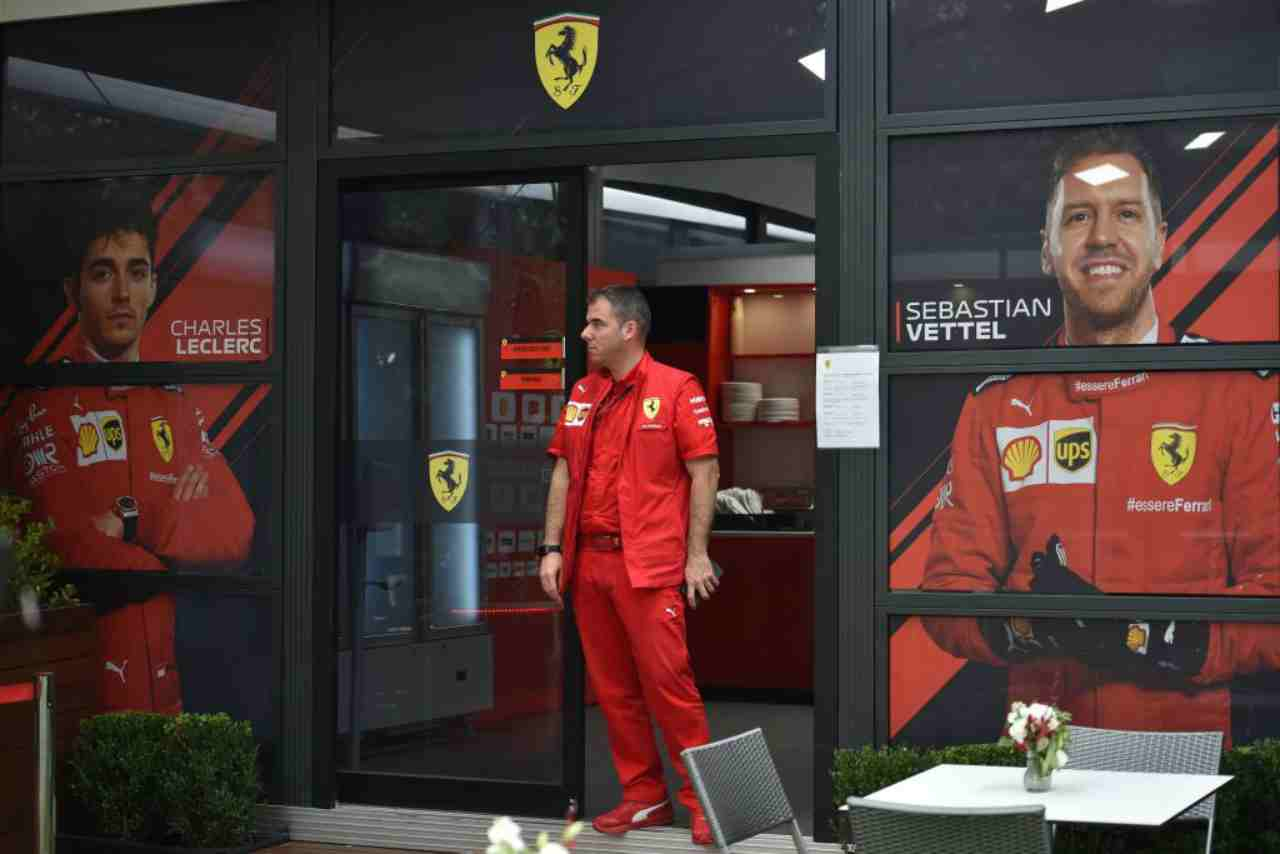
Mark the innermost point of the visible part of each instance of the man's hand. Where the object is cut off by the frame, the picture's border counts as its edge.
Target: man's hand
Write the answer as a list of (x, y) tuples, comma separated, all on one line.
[(192, 485), (1051, 575), (110, 524), (549, 576), (1138, 649), (699, 579)]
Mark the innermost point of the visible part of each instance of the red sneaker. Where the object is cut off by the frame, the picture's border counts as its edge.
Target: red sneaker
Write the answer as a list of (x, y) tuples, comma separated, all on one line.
[(633, 815), (700, 830)]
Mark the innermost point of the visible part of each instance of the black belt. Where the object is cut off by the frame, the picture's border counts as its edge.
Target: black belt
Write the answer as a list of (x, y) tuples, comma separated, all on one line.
[(601, 542)]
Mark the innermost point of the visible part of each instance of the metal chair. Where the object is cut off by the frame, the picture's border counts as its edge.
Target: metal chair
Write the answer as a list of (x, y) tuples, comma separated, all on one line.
[(1095, 749), (739, 789), (880, 827)]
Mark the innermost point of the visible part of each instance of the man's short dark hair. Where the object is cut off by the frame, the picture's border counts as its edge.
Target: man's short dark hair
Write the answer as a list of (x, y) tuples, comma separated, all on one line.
[(105, 208), (628, 303), (1104, 139)]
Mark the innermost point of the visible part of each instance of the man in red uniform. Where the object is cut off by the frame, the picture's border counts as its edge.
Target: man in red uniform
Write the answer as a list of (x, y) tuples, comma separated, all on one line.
[(628, 516), (1123, 482), (126, 474)]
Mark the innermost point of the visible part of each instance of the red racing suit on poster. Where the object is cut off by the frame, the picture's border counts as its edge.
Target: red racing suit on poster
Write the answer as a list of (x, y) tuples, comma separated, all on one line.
[(1086, 457), (73, 452)]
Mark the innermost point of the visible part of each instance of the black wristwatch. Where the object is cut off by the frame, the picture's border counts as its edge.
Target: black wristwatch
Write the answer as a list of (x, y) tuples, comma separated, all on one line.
[(126, 509), (547, 549)]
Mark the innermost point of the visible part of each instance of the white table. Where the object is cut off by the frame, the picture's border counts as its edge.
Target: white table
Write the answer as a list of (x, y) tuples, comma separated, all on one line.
[(1132, 798)]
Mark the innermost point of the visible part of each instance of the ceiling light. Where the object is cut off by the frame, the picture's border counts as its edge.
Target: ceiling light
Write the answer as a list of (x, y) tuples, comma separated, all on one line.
[(1055, 5), (655, 206), (1099, 175), (779, 296), (816, 62), (783, 233), (748, 290), (1205, 140)]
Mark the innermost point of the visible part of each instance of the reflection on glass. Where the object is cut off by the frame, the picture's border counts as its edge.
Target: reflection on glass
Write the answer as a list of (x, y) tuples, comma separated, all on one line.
[(953, 56), (503, 72), (1182, 236), (459, 658), (171, 81), (951, 678)]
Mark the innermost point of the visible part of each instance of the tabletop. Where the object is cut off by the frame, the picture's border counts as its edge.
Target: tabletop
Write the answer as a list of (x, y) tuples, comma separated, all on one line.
[(1134, 798)]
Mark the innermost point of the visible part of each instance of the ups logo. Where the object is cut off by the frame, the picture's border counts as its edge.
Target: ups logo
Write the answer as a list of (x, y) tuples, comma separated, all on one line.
[(1072, 448)]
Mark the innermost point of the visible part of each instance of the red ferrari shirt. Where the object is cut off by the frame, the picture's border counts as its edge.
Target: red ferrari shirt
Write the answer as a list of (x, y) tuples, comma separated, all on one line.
[(608, 439)]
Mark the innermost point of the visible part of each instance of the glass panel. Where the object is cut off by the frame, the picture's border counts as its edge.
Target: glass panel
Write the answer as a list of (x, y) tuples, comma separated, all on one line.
[(948, 686), (949, 55), (459, 655), (510, 69), (970, 269), (147, 477), (176, 81), (168, 268), (224, 644), (1130, 482)]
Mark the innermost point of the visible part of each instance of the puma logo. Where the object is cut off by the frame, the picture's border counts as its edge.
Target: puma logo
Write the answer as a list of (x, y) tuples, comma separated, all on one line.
[(1021, 405), (118, 669), (671, 612)]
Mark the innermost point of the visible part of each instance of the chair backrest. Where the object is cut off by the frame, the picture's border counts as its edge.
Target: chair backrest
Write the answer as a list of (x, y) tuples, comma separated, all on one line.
[(1095, 749), (738, 786), (880, 827)]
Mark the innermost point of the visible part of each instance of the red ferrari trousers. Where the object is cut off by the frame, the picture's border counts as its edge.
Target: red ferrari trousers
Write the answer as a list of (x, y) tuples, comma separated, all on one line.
[(634, 643)]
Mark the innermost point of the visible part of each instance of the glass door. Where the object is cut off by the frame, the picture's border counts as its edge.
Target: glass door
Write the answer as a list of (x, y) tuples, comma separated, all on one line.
[(459, 683)]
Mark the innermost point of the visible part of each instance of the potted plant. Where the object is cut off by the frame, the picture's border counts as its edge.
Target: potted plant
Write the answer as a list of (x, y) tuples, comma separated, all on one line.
[(28, 568), (145, 782)]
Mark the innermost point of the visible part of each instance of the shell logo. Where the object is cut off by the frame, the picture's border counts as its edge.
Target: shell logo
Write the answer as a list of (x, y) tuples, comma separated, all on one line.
[(1020, 457)]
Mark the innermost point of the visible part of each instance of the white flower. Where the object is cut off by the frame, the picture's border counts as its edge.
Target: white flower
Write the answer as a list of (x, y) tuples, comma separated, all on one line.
[(554, 848), (1018, 731), (1053, 723), (1037, 710), (1062, 758), (506, 832)]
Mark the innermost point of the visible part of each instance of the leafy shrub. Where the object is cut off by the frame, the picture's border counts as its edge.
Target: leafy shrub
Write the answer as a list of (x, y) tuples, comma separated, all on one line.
[(32, 565), (1247, 819), (190, 780), (115, 773)]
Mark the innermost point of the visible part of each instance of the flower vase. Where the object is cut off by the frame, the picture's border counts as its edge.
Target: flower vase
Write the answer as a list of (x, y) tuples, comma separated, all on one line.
[(1034, 780)]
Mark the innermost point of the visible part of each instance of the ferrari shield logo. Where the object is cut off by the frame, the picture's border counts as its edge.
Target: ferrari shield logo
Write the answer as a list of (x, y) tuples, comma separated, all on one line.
[(162, 433), (447, 471), (651, 407), (1173, 451), (565, 51)]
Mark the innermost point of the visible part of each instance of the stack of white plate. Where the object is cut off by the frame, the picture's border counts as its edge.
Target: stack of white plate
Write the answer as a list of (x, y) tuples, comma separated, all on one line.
[(738, 400), (778, 409)]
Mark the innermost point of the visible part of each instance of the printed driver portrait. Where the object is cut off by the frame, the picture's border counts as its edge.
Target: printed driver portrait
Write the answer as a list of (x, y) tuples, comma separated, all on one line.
[(126, 474), (1130, 482)]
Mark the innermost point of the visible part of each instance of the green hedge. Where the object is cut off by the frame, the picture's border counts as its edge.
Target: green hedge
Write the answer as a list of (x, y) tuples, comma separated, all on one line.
[(190, 780), (1247, 819)]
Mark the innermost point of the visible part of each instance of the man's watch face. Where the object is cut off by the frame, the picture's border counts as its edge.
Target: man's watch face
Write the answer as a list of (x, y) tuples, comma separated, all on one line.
[(126, 504)]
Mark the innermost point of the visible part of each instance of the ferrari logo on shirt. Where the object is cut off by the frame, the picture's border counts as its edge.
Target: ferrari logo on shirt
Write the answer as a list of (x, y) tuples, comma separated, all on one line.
[(565, 48), (448, 471), (1173, 451), (162, 434), (651, 407)]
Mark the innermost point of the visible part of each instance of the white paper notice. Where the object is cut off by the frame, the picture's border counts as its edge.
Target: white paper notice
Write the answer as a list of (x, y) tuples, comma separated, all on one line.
[(848, 398)]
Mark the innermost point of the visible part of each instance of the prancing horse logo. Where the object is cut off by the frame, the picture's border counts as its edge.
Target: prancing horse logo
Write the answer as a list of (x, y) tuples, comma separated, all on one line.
[(564, 52), (448, 471)]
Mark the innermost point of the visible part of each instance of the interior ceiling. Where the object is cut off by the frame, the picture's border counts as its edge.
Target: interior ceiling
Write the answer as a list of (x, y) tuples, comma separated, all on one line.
[(781, 182)]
